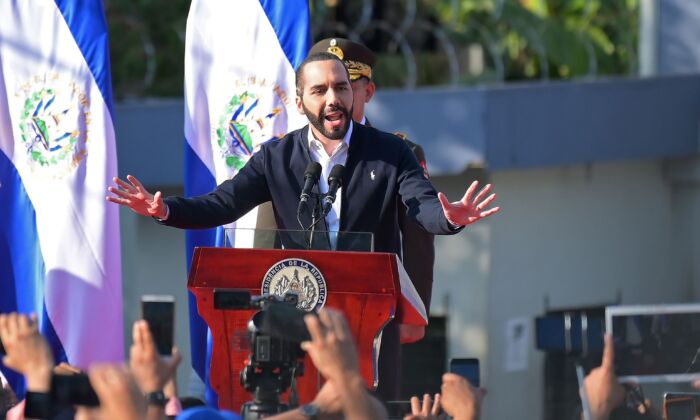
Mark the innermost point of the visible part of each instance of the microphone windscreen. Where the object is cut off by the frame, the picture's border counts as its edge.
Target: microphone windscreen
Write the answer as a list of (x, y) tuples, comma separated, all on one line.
[(313, 170), (337, 173)]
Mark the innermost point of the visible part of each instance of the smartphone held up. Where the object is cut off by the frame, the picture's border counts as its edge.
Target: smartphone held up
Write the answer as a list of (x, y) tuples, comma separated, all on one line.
[(159, 312)]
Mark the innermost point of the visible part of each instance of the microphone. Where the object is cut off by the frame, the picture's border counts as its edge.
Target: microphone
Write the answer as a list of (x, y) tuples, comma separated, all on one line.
[(311, 176), (335, 181)]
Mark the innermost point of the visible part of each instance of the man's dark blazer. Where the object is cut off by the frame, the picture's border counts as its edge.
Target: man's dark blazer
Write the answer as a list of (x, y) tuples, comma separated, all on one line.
[(417, 245), (379, 167)]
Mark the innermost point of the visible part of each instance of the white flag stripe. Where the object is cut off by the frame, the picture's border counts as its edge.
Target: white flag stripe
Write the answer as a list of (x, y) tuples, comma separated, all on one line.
[(217, 65), (78, 231)]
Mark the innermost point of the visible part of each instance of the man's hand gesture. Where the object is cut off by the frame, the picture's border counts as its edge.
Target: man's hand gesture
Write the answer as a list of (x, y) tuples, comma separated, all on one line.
[(133, 195), (470, 208)]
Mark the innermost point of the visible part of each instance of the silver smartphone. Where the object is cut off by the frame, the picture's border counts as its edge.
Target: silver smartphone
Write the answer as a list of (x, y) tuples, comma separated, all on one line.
[(655, 343)]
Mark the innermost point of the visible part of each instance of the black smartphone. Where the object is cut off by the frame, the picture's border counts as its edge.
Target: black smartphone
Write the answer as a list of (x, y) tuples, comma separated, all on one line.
[(159, 312), (680, 405), (75, 389), (467, 368)]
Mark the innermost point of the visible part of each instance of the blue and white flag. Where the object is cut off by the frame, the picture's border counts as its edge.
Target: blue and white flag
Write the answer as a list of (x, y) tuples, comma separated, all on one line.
[(240, 58), (59, 238)]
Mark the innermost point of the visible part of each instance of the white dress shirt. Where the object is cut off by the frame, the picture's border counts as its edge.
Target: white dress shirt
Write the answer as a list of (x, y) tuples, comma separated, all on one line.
[(339, 156)]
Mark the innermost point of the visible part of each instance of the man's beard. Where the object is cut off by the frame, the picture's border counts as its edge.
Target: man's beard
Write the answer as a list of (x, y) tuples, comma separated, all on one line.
[(317, 121)]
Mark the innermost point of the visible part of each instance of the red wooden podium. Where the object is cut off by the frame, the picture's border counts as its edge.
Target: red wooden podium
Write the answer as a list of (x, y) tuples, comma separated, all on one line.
[(364, 285)]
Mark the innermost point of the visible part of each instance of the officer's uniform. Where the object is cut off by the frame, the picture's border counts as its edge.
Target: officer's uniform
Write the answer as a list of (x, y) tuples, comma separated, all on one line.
[(418, 248)]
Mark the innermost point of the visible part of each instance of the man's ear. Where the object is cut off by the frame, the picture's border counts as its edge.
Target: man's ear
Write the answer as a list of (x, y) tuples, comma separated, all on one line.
[(370, 91), (300, 106)]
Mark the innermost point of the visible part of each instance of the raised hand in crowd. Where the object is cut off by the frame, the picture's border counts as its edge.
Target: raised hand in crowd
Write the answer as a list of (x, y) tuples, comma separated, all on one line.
[(470, 208), (64, 368), (459, 398), (327, 403), (333, 352), (27, 352), (602, 387), (173, 406), (120, 396), (133, 195), (151, 370), (427, 410)]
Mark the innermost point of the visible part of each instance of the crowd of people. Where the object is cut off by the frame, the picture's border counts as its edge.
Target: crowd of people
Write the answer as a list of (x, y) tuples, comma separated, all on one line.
[(145, 387)]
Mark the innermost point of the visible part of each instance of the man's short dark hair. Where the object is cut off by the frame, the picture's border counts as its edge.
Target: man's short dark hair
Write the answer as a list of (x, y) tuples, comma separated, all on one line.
[(322, 56)]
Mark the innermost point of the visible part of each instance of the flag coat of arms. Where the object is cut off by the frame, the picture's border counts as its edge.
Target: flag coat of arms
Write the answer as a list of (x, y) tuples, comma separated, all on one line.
[(59, 238), (240, 58)]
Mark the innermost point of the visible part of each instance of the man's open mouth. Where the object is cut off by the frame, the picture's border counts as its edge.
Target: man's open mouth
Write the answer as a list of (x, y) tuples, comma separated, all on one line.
[(334, 118)]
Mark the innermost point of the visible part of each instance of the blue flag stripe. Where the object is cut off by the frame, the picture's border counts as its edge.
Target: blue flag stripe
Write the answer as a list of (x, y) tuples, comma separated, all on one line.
[(291, 22), (22, 270), (87, 23), (198, 181)]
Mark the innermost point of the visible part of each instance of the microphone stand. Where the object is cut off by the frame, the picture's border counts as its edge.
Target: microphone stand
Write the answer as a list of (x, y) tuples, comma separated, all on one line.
[(314, 221)]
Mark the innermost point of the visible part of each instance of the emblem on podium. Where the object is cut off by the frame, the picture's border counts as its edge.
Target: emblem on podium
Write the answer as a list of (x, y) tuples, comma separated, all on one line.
[(300, 277)]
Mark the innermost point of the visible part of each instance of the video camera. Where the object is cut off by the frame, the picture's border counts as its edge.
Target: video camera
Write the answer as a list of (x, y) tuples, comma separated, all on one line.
[(276, 358)]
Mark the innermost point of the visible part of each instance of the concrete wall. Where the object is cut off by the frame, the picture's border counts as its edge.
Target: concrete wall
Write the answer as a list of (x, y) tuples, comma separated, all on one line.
[(678, 37), (579, 235)]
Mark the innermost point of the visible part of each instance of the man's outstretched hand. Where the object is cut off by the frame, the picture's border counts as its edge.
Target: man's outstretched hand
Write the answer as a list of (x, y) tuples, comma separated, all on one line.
[(470, 208), (134, 196)]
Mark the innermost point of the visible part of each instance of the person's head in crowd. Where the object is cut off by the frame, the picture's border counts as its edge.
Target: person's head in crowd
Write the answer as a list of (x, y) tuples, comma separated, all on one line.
[(207, 413), (324, 95), (359, 61)]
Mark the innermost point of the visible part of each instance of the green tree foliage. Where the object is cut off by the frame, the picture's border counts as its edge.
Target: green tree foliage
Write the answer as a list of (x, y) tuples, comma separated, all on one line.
[(516, 40), (556, 39), (147, 46)]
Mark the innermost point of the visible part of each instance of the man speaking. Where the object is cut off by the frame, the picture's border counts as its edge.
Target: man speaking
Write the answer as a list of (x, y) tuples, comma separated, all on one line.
[(378, 167)]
